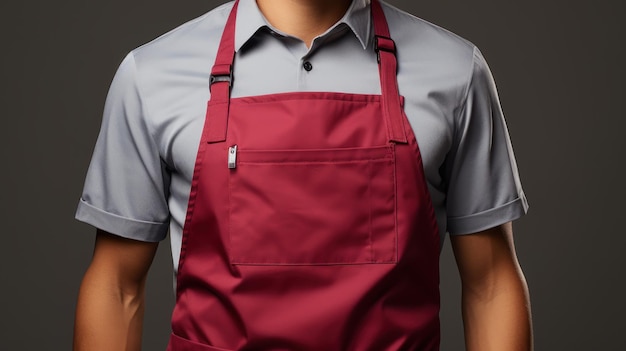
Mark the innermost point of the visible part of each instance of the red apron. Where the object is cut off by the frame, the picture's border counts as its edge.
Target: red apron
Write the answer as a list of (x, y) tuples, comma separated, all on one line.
[(309, 225)]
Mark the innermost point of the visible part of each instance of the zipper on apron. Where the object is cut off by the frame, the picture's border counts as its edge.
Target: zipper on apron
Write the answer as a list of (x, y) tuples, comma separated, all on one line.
[(232, 157)]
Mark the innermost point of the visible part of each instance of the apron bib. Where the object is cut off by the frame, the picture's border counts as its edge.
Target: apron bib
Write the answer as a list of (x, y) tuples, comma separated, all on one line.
[(309, 225)]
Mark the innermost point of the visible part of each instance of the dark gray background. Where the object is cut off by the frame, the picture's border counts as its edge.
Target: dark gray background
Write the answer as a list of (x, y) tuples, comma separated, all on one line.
[(559, 66)]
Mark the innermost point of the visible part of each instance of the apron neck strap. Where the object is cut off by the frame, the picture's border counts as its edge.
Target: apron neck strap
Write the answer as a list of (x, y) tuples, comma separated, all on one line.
[(385, 49), (220, 82), (222, 77)]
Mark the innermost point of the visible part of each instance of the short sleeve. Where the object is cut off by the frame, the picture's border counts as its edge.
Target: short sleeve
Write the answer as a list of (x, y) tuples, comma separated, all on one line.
[(125, 190), (484, 188)]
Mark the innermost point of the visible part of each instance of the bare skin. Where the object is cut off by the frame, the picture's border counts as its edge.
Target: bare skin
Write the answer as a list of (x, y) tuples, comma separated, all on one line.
[(496, 306), (109, 313), (496, 309), (303, 19)]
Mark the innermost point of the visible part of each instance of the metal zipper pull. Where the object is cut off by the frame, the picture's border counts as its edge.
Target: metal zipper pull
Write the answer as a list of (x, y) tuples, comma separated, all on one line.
[(232, 157)]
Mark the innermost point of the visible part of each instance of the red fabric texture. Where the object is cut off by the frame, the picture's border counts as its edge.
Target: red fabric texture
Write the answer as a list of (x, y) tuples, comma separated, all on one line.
[(323, 236)]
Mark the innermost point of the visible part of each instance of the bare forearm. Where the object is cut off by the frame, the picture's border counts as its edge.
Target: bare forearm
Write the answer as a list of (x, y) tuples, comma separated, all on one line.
[(498, 317), (107, 318)]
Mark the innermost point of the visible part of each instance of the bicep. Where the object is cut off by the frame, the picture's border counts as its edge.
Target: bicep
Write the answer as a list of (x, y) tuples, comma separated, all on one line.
[(485, 257), (125, 261)]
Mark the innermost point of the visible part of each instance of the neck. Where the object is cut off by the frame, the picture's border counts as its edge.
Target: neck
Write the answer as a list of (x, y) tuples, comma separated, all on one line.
[(304, 19)]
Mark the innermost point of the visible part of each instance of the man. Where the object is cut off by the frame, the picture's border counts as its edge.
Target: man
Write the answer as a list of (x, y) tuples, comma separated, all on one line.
[(341, 141)]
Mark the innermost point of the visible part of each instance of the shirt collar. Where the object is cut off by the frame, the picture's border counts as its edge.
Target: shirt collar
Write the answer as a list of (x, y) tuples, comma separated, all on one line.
[(250, 20)]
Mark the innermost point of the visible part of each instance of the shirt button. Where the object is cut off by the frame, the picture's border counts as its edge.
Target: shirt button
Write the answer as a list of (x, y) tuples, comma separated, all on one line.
[(307, 66)]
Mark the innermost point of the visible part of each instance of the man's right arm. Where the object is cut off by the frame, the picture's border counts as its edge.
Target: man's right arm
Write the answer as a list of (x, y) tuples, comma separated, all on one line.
[(109, 312)]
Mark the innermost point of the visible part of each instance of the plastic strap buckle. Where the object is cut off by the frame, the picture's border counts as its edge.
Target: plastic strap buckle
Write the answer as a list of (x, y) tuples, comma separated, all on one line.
[(384, 44), (221, 78), (221, 73)]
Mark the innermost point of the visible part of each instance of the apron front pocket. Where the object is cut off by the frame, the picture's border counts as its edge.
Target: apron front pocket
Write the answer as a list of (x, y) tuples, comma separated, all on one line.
[(313, 207)]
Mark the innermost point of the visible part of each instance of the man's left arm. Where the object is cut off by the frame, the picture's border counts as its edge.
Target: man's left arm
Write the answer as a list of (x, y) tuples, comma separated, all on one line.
[(496, 306)]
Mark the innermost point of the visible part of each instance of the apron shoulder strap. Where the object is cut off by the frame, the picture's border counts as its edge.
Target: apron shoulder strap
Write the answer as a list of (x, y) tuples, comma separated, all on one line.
[(385, 49), (222, 77), (220, 83)]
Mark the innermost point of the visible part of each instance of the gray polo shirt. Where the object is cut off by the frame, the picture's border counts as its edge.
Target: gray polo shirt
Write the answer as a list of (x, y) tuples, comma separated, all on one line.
[(139, 178)]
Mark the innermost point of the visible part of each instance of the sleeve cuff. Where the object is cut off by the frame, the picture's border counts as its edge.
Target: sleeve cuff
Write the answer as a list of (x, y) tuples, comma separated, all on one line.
[(488, 219), (121, 226)]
